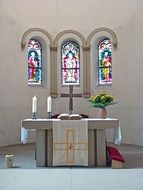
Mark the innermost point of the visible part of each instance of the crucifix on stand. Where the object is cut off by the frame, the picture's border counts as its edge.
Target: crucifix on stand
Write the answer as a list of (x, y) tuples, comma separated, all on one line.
[(71, 95)]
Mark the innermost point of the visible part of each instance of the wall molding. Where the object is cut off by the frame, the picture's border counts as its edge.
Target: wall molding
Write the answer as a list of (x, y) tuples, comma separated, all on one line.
[(31, 30), (103, 29)]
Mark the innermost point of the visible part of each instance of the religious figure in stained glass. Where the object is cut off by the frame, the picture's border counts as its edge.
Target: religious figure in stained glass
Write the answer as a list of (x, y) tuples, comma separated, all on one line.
[(34, 62), (70, 63), (105, 62)]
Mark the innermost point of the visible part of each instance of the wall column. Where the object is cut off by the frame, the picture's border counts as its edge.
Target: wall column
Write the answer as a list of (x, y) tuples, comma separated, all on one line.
[(53, 73), (86, 71)]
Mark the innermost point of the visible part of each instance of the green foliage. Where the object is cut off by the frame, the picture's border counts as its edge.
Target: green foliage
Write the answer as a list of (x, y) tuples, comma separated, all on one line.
[(102, 100)]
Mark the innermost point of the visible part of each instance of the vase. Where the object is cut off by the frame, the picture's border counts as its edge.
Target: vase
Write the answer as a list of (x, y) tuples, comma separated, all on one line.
[(102, 113)]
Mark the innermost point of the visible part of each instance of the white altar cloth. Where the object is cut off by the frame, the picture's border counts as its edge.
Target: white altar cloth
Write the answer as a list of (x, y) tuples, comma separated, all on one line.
[(70, 143), (24, 135), (25, 132), (117, 135)]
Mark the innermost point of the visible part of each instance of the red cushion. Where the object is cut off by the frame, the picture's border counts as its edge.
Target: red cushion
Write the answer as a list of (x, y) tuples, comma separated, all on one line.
[(115, 154)]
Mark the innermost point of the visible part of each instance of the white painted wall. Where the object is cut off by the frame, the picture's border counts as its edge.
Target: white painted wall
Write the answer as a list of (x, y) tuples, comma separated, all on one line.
[(124, 17)]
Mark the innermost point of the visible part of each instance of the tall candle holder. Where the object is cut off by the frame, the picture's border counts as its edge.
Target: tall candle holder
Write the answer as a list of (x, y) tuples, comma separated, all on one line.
[(34, 115), (49, 115)]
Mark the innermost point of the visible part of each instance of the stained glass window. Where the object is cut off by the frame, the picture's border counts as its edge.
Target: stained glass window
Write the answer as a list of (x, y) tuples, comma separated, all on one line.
[(105, 62), (70, 63), (34, 62)]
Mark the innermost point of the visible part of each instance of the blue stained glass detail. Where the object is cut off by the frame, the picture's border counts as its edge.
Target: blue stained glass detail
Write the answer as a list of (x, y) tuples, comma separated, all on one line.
[(70, 63), (105, 62), (34, 62)]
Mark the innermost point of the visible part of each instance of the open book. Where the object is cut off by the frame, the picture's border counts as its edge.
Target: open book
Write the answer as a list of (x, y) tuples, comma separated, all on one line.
[(66, 116)]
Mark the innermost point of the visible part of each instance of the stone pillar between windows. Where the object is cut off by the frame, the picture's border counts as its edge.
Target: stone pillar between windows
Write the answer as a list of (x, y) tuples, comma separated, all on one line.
[(53, 73), (86, 71)]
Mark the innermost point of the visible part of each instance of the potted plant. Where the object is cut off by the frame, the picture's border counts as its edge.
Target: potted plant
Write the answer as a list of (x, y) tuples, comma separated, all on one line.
[(101, 101)]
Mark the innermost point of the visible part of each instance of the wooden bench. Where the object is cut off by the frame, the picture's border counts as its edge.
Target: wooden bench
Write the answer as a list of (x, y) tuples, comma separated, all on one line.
[(116, 158)]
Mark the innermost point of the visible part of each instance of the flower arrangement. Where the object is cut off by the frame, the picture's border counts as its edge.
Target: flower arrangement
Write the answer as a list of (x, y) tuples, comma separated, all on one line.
[(102, 100)]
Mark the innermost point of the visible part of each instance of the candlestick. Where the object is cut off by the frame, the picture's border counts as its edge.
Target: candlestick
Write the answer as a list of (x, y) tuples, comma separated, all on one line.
[(34, 115), (49, 115), (49, 103)]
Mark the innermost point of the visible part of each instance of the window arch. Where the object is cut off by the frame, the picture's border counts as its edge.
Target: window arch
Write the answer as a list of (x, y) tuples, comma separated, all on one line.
[(70, 63), (105, 62), (34, 62)]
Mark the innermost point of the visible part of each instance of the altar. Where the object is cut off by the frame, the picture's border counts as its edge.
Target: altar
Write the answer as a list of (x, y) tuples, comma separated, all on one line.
[(96, 139)]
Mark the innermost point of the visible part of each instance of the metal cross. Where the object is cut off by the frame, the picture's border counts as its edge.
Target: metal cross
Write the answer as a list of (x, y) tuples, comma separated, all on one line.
[(71, 95)]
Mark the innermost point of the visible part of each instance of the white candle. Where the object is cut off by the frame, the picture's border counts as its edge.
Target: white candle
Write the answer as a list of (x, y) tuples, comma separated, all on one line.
[(49, 104), (34, 104)]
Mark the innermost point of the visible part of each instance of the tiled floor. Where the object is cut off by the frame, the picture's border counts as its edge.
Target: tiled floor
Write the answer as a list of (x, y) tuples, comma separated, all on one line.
[(24, 155), (25, 175)]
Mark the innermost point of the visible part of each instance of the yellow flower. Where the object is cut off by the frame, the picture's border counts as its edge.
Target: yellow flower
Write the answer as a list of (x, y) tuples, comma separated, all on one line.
[(102, 100)]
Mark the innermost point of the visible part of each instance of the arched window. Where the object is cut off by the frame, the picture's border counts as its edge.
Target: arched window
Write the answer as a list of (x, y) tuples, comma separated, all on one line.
[(34, 62), (105, 62), (70, 70)]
